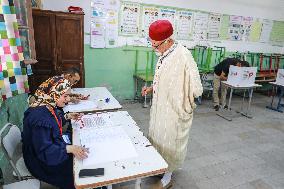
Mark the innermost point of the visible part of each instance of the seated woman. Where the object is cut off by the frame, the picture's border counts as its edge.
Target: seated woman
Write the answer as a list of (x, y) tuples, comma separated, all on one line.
[(46, 155)]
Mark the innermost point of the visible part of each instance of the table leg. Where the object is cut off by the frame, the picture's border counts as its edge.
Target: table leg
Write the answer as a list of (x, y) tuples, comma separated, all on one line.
[(138, 184), (230, 99), (145, 98), (275, 89), (247, 113), (244, 95), (136, 88), (250, 97), (279, 106)]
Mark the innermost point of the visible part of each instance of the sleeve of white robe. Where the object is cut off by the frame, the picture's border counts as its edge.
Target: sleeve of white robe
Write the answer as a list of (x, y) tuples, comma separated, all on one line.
[(195, 81), (191, 87)]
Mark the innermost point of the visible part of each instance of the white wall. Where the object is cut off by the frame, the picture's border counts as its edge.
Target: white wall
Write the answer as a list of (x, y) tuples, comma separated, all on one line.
[(270, 9)]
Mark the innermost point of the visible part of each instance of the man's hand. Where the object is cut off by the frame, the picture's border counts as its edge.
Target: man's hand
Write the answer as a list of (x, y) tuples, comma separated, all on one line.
[(146, 90), (78, 151), (223, 76), (74, 100), (82, 97)]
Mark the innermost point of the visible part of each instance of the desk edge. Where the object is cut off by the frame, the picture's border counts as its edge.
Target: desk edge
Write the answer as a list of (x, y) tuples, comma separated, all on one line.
[(120, 180)]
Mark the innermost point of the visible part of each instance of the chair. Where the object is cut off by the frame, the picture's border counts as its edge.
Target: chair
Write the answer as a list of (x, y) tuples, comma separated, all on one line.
[(25, 184), (10, 137)]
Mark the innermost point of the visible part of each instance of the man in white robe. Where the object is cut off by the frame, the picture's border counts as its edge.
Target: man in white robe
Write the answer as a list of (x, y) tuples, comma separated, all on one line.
[(176, 83)]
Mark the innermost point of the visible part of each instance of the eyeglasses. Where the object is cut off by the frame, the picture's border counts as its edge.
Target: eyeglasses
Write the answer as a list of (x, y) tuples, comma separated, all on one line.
[(157, 46)]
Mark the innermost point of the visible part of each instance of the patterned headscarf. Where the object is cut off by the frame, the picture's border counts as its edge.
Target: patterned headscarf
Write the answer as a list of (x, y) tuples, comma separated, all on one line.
[(50, 91)]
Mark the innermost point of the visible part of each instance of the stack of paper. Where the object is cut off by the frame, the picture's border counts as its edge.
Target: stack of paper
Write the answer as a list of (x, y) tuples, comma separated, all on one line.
[(83, 105), (106, 145)]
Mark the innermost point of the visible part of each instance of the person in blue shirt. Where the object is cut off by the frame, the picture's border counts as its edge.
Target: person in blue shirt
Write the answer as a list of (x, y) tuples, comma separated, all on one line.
[(46, 155)]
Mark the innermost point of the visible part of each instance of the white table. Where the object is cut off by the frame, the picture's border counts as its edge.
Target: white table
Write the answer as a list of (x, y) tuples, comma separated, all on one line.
[(95, 94), (228, 114), (148, 163)]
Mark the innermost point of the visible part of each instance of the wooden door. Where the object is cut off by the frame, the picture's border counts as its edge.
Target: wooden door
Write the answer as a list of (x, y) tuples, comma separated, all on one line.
[(45, 45), (69, 36)]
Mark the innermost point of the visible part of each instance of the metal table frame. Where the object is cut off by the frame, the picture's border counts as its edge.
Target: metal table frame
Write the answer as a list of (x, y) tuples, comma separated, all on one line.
[(275, 88), (228, 114)]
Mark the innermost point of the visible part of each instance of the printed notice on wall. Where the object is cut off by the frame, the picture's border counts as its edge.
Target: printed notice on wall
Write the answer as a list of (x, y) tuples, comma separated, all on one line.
[(277, 33), (98, 8), (184, 25), (149, 15), (235, 28), (97, 34), (111, 31), (245, 28), (214, 24), (224, 27), (129, 19), (104, 23), (255, 30), (200, 26), (168, 14), (266, 30)]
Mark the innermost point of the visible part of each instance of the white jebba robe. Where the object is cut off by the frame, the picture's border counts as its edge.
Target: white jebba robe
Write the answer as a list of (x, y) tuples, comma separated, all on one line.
[(176, 84)]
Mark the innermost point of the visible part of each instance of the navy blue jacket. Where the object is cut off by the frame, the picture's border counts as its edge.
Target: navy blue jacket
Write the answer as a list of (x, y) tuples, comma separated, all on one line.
[(44, 149)]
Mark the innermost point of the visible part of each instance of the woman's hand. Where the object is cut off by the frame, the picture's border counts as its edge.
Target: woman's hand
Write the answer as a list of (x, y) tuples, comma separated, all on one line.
[(78, 151), (74, 116)]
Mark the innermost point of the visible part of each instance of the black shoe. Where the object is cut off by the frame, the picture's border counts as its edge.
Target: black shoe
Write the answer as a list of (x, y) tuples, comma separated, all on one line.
[(226, 107), (216, 107)]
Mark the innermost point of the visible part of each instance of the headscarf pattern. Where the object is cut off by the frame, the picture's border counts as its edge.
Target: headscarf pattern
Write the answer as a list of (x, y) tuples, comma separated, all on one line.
[(50, 91)]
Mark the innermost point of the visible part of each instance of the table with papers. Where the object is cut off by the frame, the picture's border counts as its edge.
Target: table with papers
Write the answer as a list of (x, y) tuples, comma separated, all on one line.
[(117, 145), (109, 103)]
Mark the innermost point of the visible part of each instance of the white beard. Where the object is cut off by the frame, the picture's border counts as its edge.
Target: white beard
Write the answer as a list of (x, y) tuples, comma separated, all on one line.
[(158, 53)]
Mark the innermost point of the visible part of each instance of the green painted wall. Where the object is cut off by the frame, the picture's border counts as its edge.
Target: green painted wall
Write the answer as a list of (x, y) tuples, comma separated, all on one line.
[(114, 69)]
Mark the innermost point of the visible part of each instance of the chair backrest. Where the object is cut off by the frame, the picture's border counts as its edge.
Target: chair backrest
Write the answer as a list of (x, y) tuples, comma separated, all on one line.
[(10, 139)]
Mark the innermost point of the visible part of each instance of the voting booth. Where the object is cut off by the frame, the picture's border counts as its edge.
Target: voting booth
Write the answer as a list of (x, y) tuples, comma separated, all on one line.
[(242, 76), (280, 77)]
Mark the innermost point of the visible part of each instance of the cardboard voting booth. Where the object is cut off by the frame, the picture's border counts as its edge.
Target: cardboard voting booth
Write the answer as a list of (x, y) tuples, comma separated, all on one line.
[(242, 76), (280, 77)]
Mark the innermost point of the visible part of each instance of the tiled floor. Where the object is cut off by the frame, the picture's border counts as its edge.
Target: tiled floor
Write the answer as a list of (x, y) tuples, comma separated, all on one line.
[(241, 154)]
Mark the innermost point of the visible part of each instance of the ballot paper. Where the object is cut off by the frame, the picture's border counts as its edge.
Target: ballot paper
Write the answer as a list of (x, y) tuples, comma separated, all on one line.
[(83, 105), (280, 77), (106, 145), (95, 121), (242, 76)]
